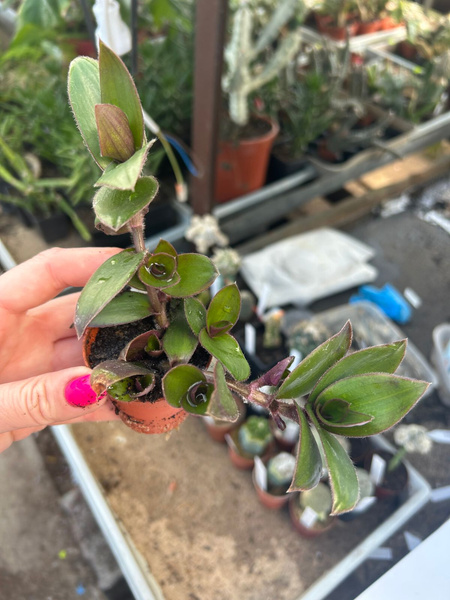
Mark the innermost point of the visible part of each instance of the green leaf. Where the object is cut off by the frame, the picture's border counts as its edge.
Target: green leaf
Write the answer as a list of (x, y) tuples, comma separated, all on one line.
[(226, 349), (179, 343), (123, 381), (114, 133), (309, 462), (104, 285), (341, 472), (159, 271), (222, 405), (338, 412), (125, 308), (197, 273), (195, 312), (124, 176), (43, 14), (141, 347), (114, 208), (84, 94), (377, 359), (178, 381), (223, 311), (118, 88), (165, 248), (305, 376), (387, 398)]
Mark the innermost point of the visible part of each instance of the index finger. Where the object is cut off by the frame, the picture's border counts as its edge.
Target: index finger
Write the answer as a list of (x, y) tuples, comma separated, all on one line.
[(47, 274)]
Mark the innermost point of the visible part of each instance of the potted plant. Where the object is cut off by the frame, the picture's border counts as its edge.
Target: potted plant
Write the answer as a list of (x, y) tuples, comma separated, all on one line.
[(376, 15), (154, 346), (247, 139), (337, 18), (311, 511), (273, 478), (252, 438)]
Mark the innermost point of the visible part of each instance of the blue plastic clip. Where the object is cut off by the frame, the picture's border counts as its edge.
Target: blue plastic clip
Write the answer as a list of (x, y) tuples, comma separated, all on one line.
[(388, 299)]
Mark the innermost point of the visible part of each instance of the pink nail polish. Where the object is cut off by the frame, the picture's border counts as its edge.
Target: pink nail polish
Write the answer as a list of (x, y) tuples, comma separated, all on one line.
[(79, 392)]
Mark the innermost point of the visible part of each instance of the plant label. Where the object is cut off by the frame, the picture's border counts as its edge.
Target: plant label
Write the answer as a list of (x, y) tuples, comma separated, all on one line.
[(364, 505), (412, 541), (377, 469), (297, 358), (440, 436), (308, 518), (250, 339), (262, 301), (260, 474), (383, 553)]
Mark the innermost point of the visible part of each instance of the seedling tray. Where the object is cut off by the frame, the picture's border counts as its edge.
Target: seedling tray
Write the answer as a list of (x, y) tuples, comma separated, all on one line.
[(181, 520)]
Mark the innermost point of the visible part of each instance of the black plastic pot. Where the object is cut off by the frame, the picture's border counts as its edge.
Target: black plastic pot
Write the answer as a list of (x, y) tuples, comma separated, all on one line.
[(280, 167)]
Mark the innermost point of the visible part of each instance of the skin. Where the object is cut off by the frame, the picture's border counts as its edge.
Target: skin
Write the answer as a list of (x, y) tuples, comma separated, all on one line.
[(39, 351)]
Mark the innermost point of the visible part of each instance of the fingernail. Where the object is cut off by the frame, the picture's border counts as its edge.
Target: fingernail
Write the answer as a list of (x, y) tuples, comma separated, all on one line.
[(79, 392)]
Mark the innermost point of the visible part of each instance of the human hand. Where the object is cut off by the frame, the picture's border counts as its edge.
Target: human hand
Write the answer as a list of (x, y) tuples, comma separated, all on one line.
[(42, 380)]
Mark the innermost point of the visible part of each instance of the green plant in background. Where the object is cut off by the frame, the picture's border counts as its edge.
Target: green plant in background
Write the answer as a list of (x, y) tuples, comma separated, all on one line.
[(330, 391), (254, 435), (338, 10)]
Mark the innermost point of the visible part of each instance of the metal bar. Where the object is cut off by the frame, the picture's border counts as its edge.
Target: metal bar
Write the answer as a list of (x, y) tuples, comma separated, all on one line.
[(89, 21), (134, 37), (209, 42)]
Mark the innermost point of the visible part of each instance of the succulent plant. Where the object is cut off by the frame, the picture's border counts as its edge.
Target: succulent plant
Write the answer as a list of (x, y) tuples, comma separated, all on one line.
[(319, 500), (167, 346), (280, 470), (254, 435)]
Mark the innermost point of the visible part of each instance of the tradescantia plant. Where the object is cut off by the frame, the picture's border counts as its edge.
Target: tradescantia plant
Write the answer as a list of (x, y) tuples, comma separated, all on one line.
[(157, 292)]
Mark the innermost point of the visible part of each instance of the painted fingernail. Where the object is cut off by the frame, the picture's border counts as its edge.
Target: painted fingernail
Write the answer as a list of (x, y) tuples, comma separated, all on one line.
[(79, 392)]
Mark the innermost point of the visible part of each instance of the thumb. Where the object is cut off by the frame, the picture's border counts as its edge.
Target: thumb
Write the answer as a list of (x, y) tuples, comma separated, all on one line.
[(47, 399)]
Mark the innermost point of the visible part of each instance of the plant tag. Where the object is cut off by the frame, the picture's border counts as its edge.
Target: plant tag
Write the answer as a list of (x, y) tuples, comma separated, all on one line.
[(208, 420), (382, 553), (364, 505), (412, 541), (377, 469), (413, 298), (440, 436), (250, 339), (230, 442), (260, 474), (262, 301), (440, 494), (297, 358), (308, 518)]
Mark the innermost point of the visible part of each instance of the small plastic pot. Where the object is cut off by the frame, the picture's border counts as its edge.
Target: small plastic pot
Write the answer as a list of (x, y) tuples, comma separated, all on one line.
[(150, 417), (369, 27), (219, 429), (295, 512), (240, 459), (271, 501)]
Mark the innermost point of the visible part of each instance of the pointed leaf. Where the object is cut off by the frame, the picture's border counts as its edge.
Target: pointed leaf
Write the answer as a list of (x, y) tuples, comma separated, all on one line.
[(178, 382), (387, 398), (341, 472), (305, 376), (84, 94), (197, 273), (222, 405), (114, 208), (309, 462), (195, 312), (377, 359), (166, 248), (125, 308), (338, 412), (179, 343), (141, 347), (123, 381), (114, 133), (124, 176), (226, 349), (223, 311), (117, 87), (274, 375), (104, 285)]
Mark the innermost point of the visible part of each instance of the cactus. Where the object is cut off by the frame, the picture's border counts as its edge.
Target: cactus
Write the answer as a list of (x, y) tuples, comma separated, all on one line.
[(243, 75), (272, 329), (319, 499), (280, 470), (255, 435)]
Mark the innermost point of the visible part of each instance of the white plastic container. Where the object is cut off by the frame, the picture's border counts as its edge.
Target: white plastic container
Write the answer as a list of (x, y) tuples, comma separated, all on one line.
[(441, 341)]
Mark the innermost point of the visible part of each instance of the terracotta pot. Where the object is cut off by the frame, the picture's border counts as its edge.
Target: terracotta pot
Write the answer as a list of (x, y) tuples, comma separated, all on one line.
[(325, 25), (218, 430), (407, 50), (272, 501), (242, 166), (243, 460), (143, 417), (369, 27), (83, 47), (307, 532), (389, 23)]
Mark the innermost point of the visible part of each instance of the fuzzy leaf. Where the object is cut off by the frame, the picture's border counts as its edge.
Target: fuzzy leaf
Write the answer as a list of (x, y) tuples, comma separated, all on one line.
[(178, 381), (387, 398), (104, 285), (223, 311), (118, 88), (309, 462), (114, 133), (110, 374), (197, 273), (84, 94), (195, 313), (114, 208), (341, 472), (125, 308), (166, 248), (274, 375), (179, 343), (141, 347), (302, 379), (377, 359), (222, 405), (124, 176), (159, 271), (226, 349), (337, 412)]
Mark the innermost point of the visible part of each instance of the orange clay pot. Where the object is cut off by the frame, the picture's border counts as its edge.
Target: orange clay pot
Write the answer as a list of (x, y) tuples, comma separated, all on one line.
[(143, 417), (271, 501), (307, 532), (245, 461)]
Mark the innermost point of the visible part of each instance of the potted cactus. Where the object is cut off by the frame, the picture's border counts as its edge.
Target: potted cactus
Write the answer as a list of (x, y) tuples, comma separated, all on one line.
[(244, 152), (154, 347), (310, 511), (273, 478), (252, 438), (336, 19)]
